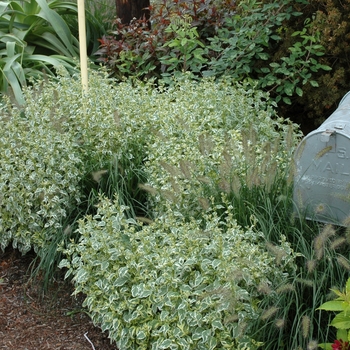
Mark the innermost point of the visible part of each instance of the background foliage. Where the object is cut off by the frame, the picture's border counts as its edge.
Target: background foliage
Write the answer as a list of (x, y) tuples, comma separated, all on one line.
[(36, 38), (329, 19), (288, 50), (285, 49), (210, 38)]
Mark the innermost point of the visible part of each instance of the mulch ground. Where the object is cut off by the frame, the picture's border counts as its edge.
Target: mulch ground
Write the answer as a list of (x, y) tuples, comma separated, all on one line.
[(31, 320)]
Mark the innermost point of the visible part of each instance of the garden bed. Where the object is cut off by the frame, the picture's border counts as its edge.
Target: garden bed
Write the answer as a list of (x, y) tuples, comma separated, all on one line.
[(29, 320)]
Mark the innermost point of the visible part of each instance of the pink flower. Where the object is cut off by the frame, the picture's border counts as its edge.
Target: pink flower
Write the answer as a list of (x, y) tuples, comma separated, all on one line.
[(340, 345)]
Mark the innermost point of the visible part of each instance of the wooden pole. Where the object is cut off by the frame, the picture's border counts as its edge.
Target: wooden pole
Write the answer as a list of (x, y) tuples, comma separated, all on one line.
[(82, 45)]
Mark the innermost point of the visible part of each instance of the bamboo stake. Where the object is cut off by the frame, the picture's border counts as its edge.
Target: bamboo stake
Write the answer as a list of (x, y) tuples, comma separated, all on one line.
[(82, 45)]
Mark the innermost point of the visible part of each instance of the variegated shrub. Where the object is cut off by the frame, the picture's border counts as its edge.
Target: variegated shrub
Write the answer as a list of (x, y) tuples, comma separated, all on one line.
[(205, 137), (172, 284), (189, 279), (46, 150)]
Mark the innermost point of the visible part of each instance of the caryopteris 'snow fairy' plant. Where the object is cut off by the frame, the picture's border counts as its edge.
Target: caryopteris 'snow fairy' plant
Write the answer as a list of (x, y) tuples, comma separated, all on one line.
[(172, 284), (39, 174), (51, 148), (213, 139)]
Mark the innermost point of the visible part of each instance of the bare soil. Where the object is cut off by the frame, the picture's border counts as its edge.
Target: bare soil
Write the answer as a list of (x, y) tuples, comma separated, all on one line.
[(31, 320)]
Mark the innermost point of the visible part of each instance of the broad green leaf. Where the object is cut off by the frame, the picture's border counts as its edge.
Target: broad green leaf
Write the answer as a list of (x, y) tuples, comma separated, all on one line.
[(288, 89), (104, 265), (198, 333), (120, 281), (68, 273), (19, 72), (165, 344), (141, 335), (211, 342), (139, 291), (182, 342), (299, 91), (217, 324), (31, 7), (17, 36), (275, 37), (81, 276), (286, 100), (324, 67), (17, 7), (184, 41), (341, 321), (342, 334), (333, 305), (11, 49), (64, 6)]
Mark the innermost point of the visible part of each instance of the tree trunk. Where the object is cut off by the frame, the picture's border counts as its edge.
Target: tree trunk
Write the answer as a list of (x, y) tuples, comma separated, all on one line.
[(129, 9)]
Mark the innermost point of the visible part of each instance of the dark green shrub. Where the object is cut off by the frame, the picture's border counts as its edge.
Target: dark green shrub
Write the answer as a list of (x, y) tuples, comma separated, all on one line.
[(245, 48), (328, 18)]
